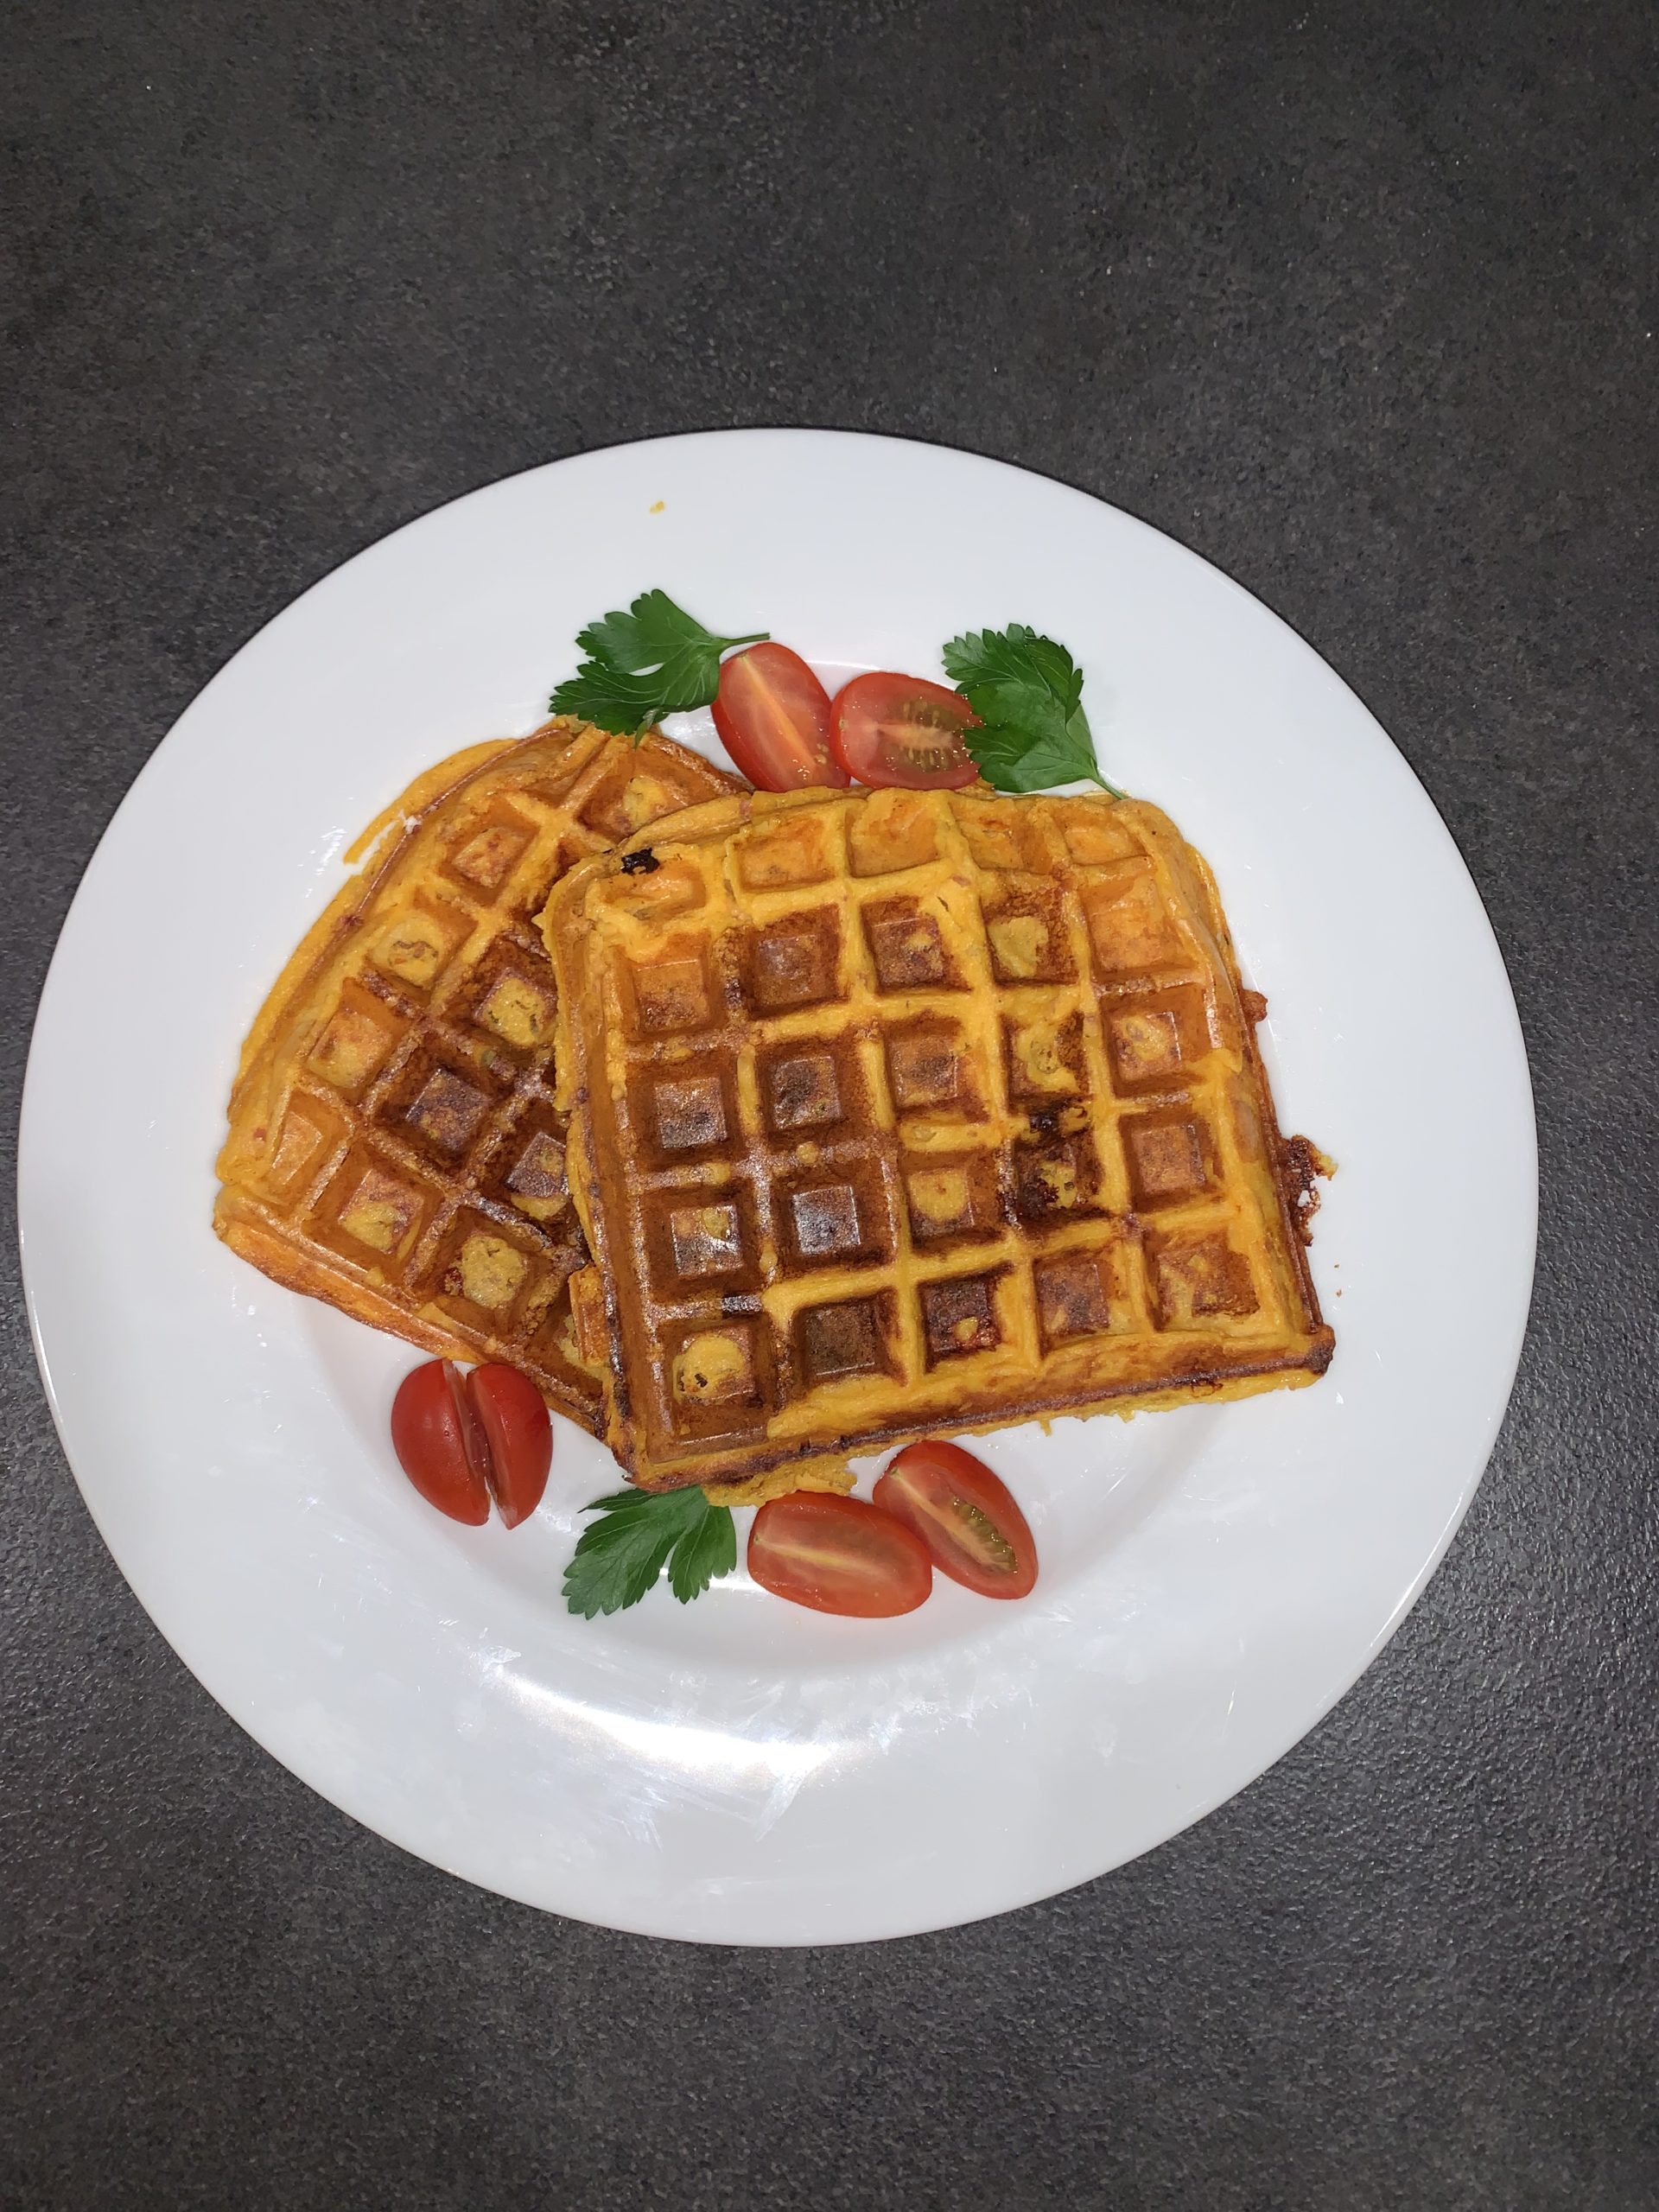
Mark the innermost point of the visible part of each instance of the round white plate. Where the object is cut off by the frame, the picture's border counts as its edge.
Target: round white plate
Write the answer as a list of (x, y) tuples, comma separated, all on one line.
[(738, 1771)]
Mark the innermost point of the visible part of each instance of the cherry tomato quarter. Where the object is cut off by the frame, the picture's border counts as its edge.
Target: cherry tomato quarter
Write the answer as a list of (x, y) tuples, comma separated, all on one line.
[(838, 1555), (965, 1515), (463, 1440), (885, 728), (519, 1430), (432, 1434), (773, 718)]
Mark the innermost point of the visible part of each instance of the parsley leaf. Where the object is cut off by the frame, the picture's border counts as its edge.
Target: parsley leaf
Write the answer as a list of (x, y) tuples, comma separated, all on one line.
[(619, 1558), (651, 661), (1027, 693), (705, 1550)]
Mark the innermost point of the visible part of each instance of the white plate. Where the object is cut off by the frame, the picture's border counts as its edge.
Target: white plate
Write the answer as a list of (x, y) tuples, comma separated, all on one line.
[(738, 1771)]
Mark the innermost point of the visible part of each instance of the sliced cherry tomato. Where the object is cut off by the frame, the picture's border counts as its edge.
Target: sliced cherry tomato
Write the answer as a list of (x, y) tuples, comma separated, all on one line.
[(887, 728), (838, 1555), (518, 1432), (464, 1438), (972, 1528), (773, 718)]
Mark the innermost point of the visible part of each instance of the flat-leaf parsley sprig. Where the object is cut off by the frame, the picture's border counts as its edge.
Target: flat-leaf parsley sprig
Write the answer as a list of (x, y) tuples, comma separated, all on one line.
[(1028, 694), (651, 661), (619, 1557)]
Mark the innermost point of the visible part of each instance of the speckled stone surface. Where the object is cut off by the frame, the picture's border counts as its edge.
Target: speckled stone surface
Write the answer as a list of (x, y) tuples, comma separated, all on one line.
[(1356, 300)]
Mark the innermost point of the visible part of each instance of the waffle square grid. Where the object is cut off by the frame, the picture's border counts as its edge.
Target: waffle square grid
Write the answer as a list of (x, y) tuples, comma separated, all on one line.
[(394, 1146), (912, 1110)]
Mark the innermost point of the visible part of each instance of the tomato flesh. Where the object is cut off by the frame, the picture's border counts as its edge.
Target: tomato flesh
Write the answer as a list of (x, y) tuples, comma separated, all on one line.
[(773, 718), (463, 1440), (838, 1555), (965, 1515), (889, 729)]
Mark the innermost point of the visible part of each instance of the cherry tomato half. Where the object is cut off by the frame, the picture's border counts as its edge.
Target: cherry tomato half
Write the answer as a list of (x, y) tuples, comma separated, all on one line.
[(886, 729), (773, 718), (464, 1438), (838, 1555), (974, 1531)]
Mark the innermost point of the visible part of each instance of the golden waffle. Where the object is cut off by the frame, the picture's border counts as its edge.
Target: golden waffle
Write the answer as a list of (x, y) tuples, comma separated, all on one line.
[(915, 1111), (394, 1148)]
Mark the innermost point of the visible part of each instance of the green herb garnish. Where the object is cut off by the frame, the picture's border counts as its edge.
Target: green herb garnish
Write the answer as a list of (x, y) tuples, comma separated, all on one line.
[(1027, 693), (619, 1557), (652, 661)]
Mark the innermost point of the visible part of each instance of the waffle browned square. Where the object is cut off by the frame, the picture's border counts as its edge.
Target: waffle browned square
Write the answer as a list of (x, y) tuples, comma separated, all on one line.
[(906, 1112), (394, 1148)]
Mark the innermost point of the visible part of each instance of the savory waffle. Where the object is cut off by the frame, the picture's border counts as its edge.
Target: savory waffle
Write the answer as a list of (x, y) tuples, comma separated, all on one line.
[(914, 1111), (394, 1148)]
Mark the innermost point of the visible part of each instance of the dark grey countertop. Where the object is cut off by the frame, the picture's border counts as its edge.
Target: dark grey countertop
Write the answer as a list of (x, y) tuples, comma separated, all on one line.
[(1359, 302)]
